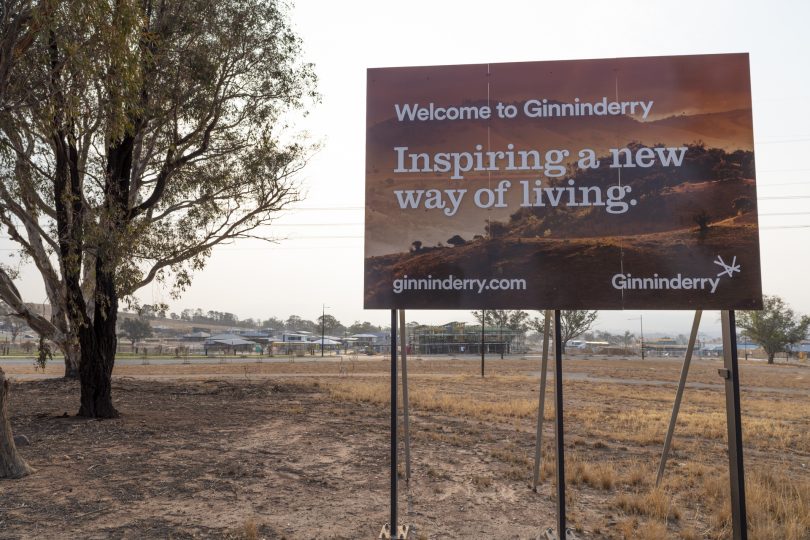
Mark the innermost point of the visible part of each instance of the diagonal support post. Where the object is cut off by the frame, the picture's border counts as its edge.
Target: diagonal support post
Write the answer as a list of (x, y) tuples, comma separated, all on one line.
[(676, 407)]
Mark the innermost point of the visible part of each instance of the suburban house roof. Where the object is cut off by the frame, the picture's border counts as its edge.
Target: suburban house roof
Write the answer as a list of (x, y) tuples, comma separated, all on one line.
[(231, 342)]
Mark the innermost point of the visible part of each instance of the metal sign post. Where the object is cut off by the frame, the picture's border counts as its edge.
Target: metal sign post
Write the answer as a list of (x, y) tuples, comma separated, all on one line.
[(483, 319), (391, 529), (541, 407), (405, 416), (558, 409), (678, 395), (731, 374)]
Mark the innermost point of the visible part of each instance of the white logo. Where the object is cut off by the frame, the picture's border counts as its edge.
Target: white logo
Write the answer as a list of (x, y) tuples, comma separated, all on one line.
[(677, 282), (728, 269)]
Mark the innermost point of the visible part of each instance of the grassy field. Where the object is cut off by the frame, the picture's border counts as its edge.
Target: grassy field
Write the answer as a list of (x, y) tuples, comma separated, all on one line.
[(306, 447)]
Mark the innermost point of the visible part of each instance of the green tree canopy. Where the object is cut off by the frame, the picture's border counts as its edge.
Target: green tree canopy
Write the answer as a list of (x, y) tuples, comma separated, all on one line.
[(573, 323), (135, 137), (136, 328), (775, 327), (330, 324), (364, 327)]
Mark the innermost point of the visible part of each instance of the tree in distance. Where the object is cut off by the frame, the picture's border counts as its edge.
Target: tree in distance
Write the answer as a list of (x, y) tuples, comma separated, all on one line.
[(775, 327), (573, 323), (136, 329), (330, 325), (364, 327), (514, 319), (295, 323), (14, 325), (136, 137), (703, 220), (456, 241)]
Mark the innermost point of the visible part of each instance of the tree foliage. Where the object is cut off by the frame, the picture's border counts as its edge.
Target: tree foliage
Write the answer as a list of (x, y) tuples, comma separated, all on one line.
[(136, 328), (573, 323), (330, 325), (513, 319), (775, 327), (11, 323), (296, 323), (364, 327), (135, 137), (456, 241)]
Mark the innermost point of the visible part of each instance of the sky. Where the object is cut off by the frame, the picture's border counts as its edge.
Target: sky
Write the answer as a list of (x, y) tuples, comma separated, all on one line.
[(318, 260)]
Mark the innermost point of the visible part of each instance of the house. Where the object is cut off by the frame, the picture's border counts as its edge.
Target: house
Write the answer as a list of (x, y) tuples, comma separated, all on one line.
[(195, 336), (365, 342), (259, 336), (295, 337), (665, 346), (462, 338), (230, 343)]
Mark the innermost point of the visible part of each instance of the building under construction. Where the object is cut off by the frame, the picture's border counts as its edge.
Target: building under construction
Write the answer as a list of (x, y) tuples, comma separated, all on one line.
[(462, 338)]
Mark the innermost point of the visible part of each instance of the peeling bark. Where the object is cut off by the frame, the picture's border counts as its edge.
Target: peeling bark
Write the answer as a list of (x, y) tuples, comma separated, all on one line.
[(72, 357)]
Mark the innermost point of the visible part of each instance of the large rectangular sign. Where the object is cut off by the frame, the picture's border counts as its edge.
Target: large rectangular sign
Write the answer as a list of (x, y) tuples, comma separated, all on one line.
[(604, 184)]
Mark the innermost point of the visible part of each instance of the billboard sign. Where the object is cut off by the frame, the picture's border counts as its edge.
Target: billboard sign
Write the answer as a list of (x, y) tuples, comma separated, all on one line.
[(622, 183)]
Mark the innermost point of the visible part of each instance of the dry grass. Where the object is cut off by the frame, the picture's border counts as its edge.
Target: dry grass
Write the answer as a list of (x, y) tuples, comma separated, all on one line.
[(430, 399), (249, 530), (655, 503), (652, 530), (627, 528), (689, 533), (482, 482), (599, 476), (636, 474), (619, 432), (778, 506), (513, 456)]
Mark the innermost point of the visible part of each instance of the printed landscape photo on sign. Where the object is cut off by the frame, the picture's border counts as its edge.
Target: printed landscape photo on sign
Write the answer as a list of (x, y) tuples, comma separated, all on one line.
[(622, 183)]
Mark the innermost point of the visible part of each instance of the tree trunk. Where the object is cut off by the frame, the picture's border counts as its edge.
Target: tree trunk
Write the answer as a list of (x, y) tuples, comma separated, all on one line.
[(72, 361), (770, 357), (95, 374), (11, 464), (98, 344), (98, 340)]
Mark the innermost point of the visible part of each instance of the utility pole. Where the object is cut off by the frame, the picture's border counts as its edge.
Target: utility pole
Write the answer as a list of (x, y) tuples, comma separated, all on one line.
[(323, 325)]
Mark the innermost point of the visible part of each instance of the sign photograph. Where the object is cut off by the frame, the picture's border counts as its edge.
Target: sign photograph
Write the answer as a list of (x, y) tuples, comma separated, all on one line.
[(622, 183)]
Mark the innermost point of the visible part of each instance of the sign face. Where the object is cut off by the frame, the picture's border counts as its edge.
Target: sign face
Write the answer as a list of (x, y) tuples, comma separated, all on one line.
[(623, 183)]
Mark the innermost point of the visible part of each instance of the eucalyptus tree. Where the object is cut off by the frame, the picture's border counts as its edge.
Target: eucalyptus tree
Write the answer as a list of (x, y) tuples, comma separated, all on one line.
[(143, 135), (775, 327), (573, 323)]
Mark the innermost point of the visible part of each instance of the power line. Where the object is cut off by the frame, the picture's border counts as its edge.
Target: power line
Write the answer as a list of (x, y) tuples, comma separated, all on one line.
[(799, 183), (781, 170), (783, 141)]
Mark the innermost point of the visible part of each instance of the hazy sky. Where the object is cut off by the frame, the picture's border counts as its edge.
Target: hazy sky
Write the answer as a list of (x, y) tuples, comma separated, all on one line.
[(321, 261)]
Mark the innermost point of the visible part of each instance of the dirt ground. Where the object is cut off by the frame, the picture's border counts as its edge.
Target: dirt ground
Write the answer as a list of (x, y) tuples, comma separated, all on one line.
[(300, 450)]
